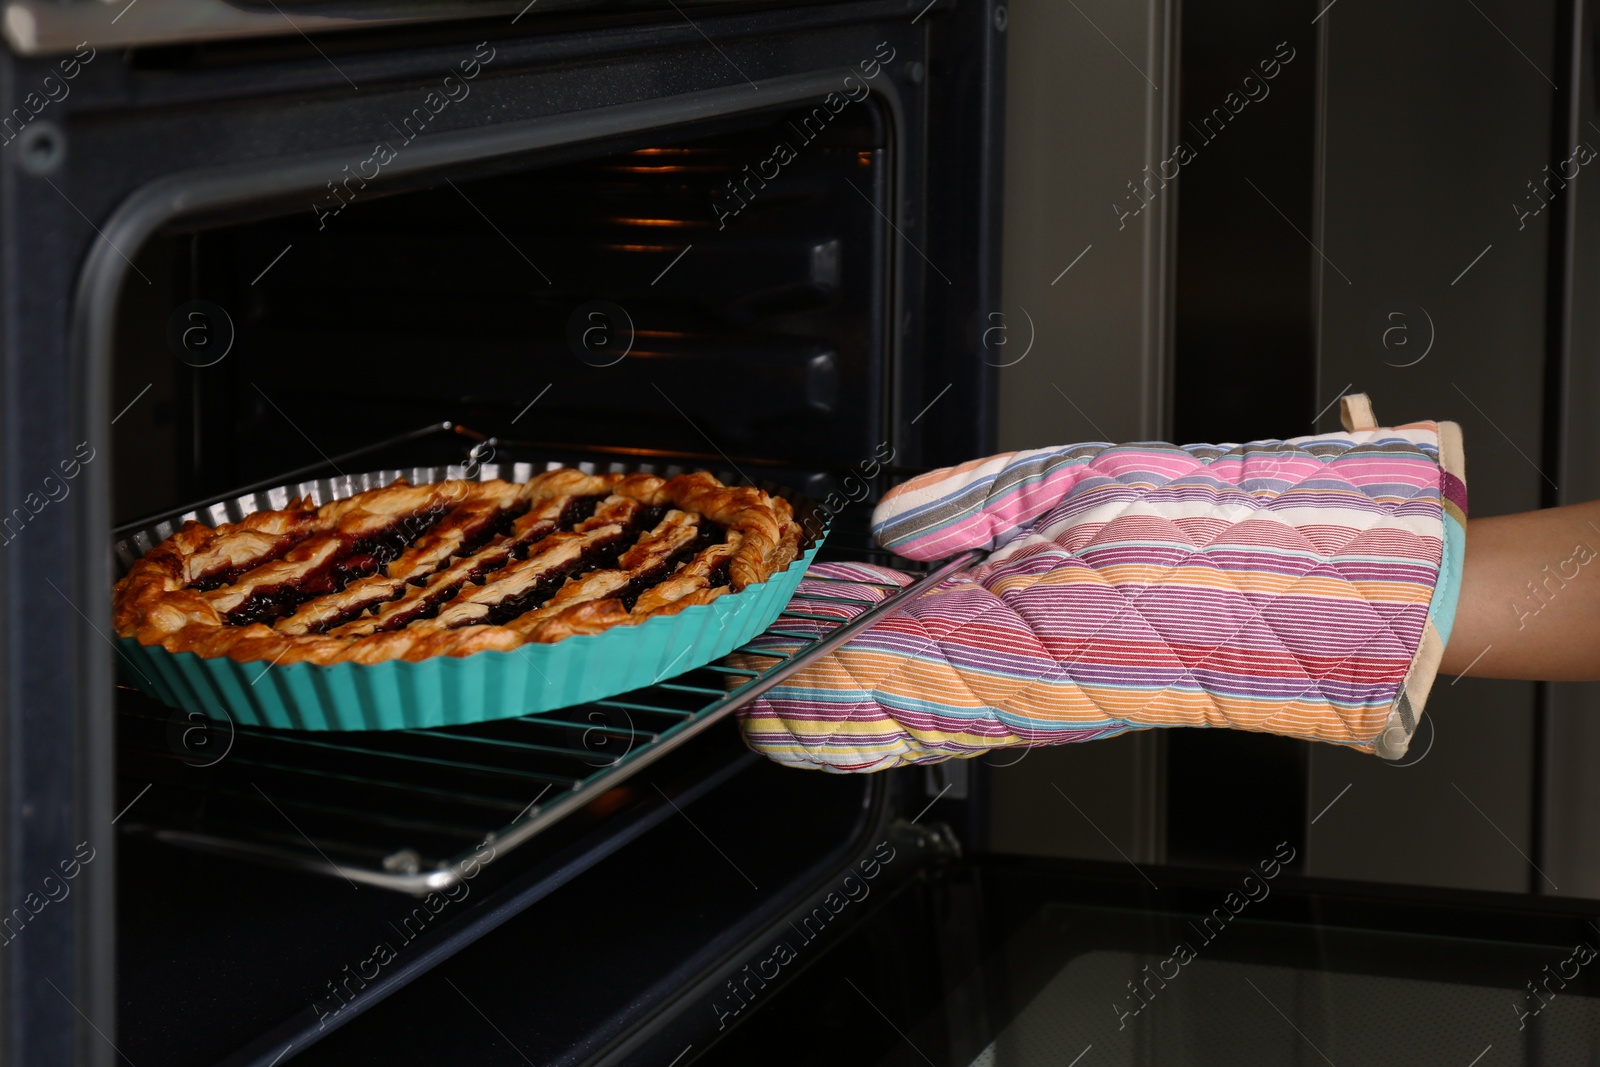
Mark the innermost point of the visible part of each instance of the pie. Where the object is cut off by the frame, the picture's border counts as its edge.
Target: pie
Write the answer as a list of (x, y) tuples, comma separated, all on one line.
[(451, 568)]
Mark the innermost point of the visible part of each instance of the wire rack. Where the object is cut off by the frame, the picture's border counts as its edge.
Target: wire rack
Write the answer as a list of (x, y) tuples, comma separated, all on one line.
[(407, 810)]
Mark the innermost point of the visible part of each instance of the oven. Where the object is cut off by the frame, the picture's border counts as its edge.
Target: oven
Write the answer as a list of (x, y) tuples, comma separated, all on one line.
[(754, 238), (257, 248)]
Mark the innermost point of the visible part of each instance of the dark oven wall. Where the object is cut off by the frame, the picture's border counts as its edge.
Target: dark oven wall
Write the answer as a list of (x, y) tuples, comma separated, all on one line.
[(640, 304), (775, 273)]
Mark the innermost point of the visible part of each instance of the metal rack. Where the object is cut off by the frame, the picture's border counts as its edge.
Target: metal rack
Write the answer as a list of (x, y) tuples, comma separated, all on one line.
[(408, 810)]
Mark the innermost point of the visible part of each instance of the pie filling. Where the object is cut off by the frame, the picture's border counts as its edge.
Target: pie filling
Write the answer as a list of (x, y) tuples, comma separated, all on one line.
[(488, 550), (454, 567)]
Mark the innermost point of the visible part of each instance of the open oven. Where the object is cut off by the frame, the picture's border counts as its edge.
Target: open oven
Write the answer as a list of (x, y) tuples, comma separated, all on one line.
[(287, 246), (754, 238)]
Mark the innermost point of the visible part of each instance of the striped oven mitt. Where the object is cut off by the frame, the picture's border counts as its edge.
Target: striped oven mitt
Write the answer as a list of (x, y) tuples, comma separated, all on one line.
[(1302, 587)]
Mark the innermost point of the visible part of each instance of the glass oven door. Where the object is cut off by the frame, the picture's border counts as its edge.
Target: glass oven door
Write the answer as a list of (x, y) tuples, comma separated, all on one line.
[(1015, 963)]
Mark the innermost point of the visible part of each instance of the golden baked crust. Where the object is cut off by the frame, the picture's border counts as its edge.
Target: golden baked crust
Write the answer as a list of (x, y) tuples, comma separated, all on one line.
[(451, 568)]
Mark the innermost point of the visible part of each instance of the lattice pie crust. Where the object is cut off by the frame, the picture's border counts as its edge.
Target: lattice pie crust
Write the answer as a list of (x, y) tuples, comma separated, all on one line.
[(451, 568)]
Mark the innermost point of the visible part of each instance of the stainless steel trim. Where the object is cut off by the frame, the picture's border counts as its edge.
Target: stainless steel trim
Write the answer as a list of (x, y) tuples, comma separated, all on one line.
[(53, 27), (49, 27)]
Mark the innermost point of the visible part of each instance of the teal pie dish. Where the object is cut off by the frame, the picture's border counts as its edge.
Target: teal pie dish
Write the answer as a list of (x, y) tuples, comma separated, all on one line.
[(453, 690)]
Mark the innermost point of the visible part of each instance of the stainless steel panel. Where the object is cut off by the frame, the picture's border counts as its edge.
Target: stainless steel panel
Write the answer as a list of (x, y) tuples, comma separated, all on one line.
[(1088, 89), (1083, 340), (1425, 150), (56, 27), (1571, 790)]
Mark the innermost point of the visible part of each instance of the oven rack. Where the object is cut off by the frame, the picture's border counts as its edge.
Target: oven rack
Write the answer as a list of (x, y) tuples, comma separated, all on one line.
[(409, 810)]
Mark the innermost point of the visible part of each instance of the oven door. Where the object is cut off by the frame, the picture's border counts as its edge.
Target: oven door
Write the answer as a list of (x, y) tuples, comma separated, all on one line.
[(1022, 962), (900, 951)]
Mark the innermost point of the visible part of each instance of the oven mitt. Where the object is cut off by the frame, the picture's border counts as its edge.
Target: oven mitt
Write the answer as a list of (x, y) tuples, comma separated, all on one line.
[(1302, 587)]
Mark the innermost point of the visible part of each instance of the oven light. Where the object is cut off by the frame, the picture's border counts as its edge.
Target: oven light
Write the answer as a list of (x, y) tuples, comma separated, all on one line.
[(650, 222), (664, 168)]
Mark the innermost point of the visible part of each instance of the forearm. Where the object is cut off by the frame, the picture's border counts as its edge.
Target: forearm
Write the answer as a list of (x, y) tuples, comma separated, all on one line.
[(1530, 597)]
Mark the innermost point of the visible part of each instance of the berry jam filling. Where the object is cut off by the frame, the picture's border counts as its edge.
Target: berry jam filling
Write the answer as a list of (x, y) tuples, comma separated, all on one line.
[(229, 575), (355, 559), (581, 508), (487, 542), (275, 601), (385, 547), (272, 602), (388, 544), (370, 555), (602, 555), (629, 594), (498, 557), (707, 535), (484, 564), (422, 608), (498, 526), (486, 560), (542, 590)]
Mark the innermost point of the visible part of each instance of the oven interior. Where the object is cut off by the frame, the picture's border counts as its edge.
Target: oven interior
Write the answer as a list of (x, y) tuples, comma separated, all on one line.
[(648, 303), (660, 295)]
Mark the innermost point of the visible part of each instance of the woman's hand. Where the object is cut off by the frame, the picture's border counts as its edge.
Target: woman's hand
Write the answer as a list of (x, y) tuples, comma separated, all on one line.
[(1530, 597)]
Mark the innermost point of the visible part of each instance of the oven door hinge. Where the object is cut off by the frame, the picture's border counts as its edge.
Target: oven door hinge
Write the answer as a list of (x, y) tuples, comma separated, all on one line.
[(932, 842)]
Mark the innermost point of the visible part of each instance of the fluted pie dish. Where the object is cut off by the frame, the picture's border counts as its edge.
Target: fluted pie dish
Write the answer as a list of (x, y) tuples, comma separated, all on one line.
[(456, 600)]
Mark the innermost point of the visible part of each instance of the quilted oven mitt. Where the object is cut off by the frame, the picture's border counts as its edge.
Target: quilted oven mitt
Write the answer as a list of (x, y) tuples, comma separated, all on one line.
[(1302, 587)]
